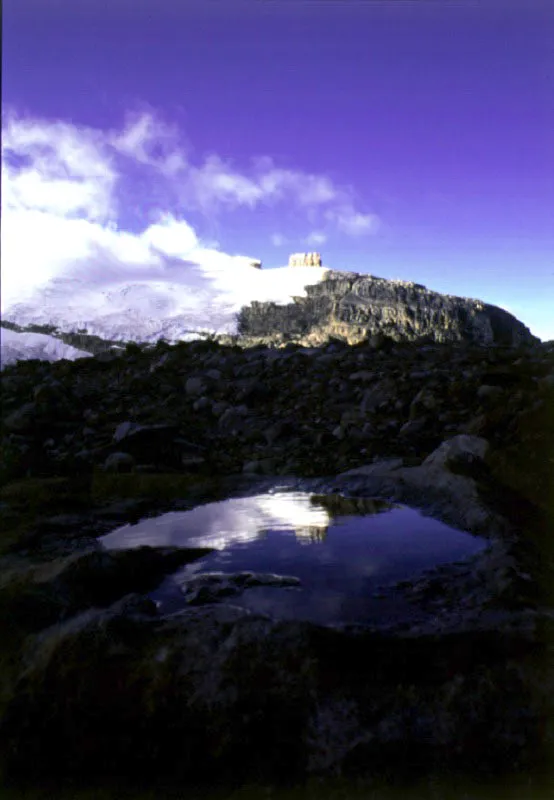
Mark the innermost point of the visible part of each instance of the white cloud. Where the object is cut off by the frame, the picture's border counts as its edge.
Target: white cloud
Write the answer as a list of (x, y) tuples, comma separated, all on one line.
[(316, 237), (316, 190), (88, 163), (172, 237), (62, 169), (216, 183), (149, 141), (57, 150), (352, 222), (60, 208), (278, 240), (304, 188), (66, 186)]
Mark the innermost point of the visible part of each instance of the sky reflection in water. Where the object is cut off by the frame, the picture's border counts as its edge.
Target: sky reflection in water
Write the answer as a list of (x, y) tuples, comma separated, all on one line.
[(340, 558)]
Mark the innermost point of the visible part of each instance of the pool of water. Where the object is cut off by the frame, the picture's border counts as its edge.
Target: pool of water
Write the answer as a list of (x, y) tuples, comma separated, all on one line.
[(341, 550)]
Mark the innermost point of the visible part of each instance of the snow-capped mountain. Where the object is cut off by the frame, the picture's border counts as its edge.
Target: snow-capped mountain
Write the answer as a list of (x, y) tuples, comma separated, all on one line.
[(145, 310), (304, 303)]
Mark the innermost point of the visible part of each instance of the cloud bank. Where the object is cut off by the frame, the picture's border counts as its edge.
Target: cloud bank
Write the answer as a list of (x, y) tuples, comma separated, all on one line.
[(68, 191)]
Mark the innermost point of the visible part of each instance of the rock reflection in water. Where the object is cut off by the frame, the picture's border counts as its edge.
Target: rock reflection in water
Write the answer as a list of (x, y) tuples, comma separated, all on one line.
[(339, 548), (226, 523), (241, 519)]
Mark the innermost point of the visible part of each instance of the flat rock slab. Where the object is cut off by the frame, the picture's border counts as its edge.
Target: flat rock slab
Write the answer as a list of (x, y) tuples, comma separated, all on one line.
[(216, 688)]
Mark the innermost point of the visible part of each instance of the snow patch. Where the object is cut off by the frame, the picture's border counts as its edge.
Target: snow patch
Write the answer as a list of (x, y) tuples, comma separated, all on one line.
[(16, 346)]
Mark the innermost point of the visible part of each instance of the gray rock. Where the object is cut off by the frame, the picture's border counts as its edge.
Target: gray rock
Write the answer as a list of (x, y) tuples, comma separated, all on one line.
[(413, 427), (547, 382), (252, 699), (379, 467), (214, 374), (192, 463), (211, 587), (260, 466), (362, 376), (124, 429), (489, 392), (22, 420), (363, 307), (253, 691), (119, 462), (452, 449), (424, 402), (195, 386), (278, 431), (381, 393), (234, 419), (159, 444), (202, 404)]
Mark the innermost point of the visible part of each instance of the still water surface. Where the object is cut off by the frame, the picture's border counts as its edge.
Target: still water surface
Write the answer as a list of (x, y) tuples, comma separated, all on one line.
[(341, 551)]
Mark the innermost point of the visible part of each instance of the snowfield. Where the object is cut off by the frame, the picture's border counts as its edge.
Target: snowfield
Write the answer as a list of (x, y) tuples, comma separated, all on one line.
[(24, 346), (147, 310)]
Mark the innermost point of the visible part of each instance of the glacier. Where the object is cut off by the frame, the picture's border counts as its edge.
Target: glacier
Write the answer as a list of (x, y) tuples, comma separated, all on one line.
[(16, 346), (145, 311)]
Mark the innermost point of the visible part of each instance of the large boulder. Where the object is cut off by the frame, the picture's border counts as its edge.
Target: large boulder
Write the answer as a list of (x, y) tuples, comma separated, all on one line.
[(459, 449), (436, 485), (216, 690), (157, 444)]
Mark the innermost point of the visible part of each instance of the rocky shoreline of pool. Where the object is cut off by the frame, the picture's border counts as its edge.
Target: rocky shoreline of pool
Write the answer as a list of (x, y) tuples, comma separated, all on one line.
[(96, 683)]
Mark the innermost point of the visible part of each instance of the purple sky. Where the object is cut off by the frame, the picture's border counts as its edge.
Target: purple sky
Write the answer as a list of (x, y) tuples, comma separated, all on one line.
[(427, 128)]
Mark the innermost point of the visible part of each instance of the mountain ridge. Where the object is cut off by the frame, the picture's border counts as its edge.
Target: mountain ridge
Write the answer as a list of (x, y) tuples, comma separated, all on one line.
[(344, 305), (352, 307)]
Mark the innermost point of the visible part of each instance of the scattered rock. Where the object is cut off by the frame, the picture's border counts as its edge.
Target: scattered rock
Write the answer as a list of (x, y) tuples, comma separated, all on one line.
[(119, 462), (460, 426), (209, 587)]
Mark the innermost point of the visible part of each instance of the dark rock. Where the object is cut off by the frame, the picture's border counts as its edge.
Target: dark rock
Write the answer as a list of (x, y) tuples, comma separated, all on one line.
[(94, 578), (413, 426), (23, 420), (209, 587), (119, 462), (100, 577), (260, 466), (218, 689)]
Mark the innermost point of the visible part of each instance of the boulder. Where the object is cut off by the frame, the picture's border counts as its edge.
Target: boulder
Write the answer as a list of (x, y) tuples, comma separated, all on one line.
[(158, 444), (462, 448), (260, 466), (23, 420), (210, 587), (195, 386), (119, 462), (216, 689)]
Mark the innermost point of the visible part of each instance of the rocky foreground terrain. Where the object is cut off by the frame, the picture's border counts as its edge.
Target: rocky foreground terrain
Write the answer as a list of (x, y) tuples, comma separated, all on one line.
[(96, 684)]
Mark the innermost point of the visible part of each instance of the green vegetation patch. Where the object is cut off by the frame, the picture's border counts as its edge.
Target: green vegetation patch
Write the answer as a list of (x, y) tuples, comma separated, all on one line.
[(23, 503), (106, 486), (39, 493)]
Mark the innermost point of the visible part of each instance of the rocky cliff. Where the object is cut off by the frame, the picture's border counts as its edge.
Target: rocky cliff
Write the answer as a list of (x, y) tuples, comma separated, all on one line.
[(354, 307)]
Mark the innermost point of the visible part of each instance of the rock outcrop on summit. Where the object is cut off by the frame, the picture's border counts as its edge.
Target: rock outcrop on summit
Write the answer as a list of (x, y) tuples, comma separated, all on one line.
[(354, 307)]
